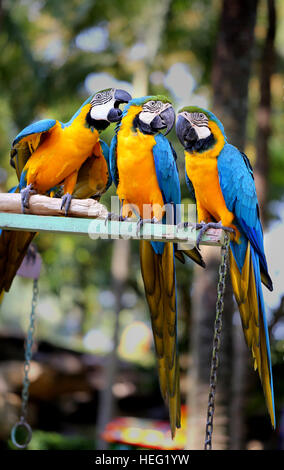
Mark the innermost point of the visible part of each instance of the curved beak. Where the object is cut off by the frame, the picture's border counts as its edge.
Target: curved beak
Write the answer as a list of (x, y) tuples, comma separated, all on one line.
[(185, 132), (164, 120), (120, 96)]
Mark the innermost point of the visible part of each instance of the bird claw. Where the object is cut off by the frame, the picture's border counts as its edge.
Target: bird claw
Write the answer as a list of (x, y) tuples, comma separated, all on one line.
[(25, 196), (141, 222), (118, 218), (203, 227), (66, 202)]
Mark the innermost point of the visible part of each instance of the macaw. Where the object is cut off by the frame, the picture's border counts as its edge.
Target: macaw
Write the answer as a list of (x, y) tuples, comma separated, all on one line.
[(49, 153), (220, 178), (94, 177), (143, 167)]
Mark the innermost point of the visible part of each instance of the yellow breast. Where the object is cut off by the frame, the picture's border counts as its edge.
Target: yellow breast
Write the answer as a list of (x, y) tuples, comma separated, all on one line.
[(203, 173), (138, 182), (63, 151)]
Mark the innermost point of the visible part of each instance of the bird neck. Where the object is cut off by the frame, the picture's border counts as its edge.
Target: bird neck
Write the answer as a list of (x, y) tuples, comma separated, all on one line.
[(213, 145), (127, 122)]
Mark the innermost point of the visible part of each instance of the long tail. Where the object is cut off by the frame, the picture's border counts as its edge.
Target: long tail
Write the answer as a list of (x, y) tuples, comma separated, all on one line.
[(158, 271), (248, 293), (13, 247)]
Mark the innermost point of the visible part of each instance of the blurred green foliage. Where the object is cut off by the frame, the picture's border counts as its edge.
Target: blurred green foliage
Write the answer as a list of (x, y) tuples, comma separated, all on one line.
[(43, 440), (42, 75)]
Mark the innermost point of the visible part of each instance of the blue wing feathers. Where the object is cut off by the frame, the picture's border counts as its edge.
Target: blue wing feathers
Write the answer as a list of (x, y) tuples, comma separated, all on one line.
[(168, 179), (112, 160), (256, 269), (105, 151), (190, 186), (166, 170), (35, 128), (238, 189)]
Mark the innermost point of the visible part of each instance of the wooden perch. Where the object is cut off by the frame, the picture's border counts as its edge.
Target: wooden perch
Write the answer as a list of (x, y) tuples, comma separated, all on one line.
[(87, 217), (43, 205)]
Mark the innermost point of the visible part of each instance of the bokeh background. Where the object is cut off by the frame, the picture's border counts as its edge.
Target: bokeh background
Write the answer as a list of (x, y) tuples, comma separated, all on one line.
[(93, 355)]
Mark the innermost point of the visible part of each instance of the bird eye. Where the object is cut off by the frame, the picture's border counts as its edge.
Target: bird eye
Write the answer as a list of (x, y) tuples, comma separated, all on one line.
[(202, 116)]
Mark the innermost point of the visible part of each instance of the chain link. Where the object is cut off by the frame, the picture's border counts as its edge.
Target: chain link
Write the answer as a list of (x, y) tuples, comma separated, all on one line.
[(216, 342), (26, 382)]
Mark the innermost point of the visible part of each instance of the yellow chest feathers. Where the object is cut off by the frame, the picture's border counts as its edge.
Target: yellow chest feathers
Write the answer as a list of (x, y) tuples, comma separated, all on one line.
[(138, 182)]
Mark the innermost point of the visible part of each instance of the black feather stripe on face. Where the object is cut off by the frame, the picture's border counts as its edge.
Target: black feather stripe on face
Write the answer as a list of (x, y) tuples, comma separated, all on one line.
[(102, 97), (201, 145), (100, 125)]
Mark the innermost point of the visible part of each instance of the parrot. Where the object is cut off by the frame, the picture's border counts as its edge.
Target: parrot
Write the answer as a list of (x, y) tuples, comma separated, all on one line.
[(48, 154), (144, 170), (94, 177), (220, 178)]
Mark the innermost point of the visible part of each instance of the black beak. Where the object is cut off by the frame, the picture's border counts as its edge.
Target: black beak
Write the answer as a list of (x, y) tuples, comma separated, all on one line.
[(165, 120), (185, 132), (120, 96)]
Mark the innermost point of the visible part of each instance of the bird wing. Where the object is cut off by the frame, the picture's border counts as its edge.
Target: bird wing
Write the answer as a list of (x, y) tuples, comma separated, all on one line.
[(238, 189), (27, 141), (190, 186), (247, 261), (89, 175), (106, 154), (166, 170), (113, 159)]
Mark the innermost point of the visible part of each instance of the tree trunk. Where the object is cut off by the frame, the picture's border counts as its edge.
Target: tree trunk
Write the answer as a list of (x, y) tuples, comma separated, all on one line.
[(264, 109), (119, 272), (230, 76)]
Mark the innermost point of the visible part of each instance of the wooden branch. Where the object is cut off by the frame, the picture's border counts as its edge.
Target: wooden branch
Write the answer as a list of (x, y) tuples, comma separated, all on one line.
[(87, 217), (43, 205)]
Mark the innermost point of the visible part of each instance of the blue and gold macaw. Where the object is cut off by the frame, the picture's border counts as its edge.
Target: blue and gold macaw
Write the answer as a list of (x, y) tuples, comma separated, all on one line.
[(48, 154), (221, 179), (143, 167), (94, 177)]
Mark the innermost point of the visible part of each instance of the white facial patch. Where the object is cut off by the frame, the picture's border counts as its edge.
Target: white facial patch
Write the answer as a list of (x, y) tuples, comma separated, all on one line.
[(100, 111), (199, 122), (151, 110), (147, 116), (202, 132)]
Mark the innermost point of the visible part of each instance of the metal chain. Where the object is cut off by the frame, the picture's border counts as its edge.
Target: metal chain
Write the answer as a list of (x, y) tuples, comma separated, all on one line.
[(26, 382), (216, 342)]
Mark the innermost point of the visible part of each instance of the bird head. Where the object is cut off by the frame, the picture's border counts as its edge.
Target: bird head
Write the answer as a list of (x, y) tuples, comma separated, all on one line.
[(154, 114), (104, 107), (198, 129)]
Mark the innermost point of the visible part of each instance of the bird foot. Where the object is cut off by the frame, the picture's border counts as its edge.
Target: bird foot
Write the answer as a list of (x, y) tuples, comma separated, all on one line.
[(66, 202), (25, 196), (203, 227), (118, 218), (141, 222)]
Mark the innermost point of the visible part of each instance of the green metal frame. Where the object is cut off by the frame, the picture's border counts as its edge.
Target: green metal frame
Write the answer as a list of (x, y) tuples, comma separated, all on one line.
[(98, 228)]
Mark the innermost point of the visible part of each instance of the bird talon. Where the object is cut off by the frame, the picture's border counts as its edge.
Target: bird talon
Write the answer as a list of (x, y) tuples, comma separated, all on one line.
[(66, 202), (118, 218), (203, 227), (25, 196), (111, 216), (141, 222)]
